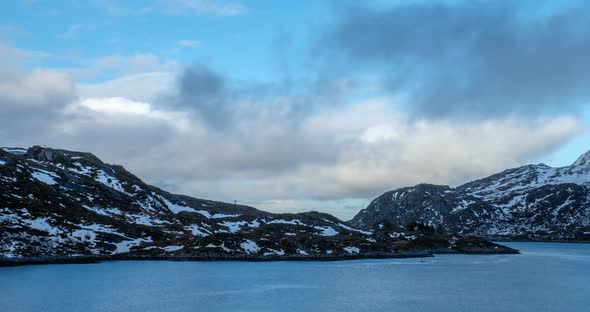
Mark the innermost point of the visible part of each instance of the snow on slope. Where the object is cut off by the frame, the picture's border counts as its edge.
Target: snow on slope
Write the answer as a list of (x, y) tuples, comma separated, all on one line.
[(56, 202), (529, 202)]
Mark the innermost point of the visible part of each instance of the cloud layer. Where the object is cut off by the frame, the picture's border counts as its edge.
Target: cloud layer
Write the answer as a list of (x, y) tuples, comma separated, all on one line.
[(475, 58), (265, 154)]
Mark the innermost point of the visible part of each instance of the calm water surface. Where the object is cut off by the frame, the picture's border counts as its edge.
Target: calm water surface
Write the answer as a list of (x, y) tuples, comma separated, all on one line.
[(546, 277)]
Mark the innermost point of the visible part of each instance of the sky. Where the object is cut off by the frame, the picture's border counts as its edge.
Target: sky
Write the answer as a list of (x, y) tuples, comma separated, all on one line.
[(293, 106)]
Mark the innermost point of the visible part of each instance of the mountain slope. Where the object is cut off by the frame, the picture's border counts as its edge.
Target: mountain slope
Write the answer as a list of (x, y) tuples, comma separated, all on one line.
[(529, 202), (58, 203)]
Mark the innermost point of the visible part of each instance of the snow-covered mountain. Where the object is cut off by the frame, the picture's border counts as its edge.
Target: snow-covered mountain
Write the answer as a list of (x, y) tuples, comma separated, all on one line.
[(58, 203), (529, 202)]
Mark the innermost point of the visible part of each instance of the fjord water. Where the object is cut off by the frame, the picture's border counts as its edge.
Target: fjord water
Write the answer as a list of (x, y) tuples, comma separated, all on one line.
[(545, 277)]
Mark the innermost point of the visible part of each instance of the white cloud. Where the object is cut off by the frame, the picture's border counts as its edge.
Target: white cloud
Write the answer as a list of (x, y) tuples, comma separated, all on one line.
[(200, 7), (73, 30), (11, 58), (189, 43), (121, 110), (30, 102), (402, 151), (116, 106), (122, 66), (173, 7), (141, 62), (138, 87), (353, 152), (40, 87)]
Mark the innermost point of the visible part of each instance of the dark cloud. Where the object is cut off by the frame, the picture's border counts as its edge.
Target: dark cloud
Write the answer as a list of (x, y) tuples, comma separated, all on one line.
[(199, 81), (473, 58), (202, 90), (222, 102), (251, 127)]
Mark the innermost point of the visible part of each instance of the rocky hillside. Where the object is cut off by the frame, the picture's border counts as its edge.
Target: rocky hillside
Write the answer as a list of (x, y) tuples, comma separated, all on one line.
[(57, 204), (530, 202)]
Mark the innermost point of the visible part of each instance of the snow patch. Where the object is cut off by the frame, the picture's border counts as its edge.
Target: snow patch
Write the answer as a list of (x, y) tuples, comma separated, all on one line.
[(352, 250), (273, 252), (15, 150), (222, 246), (110, 181), (41, 224), (302, 252), (176, 208), (327, 231), (281, 221), (172, 248), (197, 230), (250, 246), (44, 177), (125, 246), (236, 226)]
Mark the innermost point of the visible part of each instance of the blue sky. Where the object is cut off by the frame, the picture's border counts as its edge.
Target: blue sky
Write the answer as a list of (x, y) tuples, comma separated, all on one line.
[(299, 105), (240, 44)]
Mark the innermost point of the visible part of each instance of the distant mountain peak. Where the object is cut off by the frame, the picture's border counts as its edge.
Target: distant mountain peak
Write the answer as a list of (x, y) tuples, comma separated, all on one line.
[(583, 160), (528, 202)]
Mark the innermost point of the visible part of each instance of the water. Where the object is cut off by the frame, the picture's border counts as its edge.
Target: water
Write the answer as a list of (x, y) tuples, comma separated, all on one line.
[(546, 277)]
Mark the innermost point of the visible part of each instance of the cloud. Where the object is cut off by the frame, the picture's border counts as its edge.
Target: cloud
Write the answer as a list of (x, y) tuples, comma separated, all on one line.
[(30, 103), (267, 155), (470, 58), (76, 29), (13, 57), (389, 149), (10, 31), (114, 110), (145, 87), (349, 152), (121, 66), (140, 62), (307, 147), (200, 7), (173, 7), (202, 90), (189, 43), (39, 88), (73, 30)]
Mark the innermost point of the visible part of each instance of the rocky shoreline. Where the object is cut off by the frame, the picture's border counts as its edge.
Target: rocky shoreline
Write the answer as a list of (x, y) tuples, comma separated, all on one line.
[(424, 253), (564, 241)]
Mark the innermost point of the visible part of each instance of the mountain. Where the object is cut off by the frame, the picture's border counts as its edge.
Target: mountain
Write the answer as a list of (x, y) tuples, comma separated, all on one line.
[(534, 202), (57, 205)]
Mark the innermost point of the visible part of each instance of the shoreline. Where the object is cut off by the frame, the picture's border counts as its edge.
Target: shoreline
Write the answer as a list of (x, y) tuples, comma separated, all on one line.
[(13, 262), (538, 241)]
